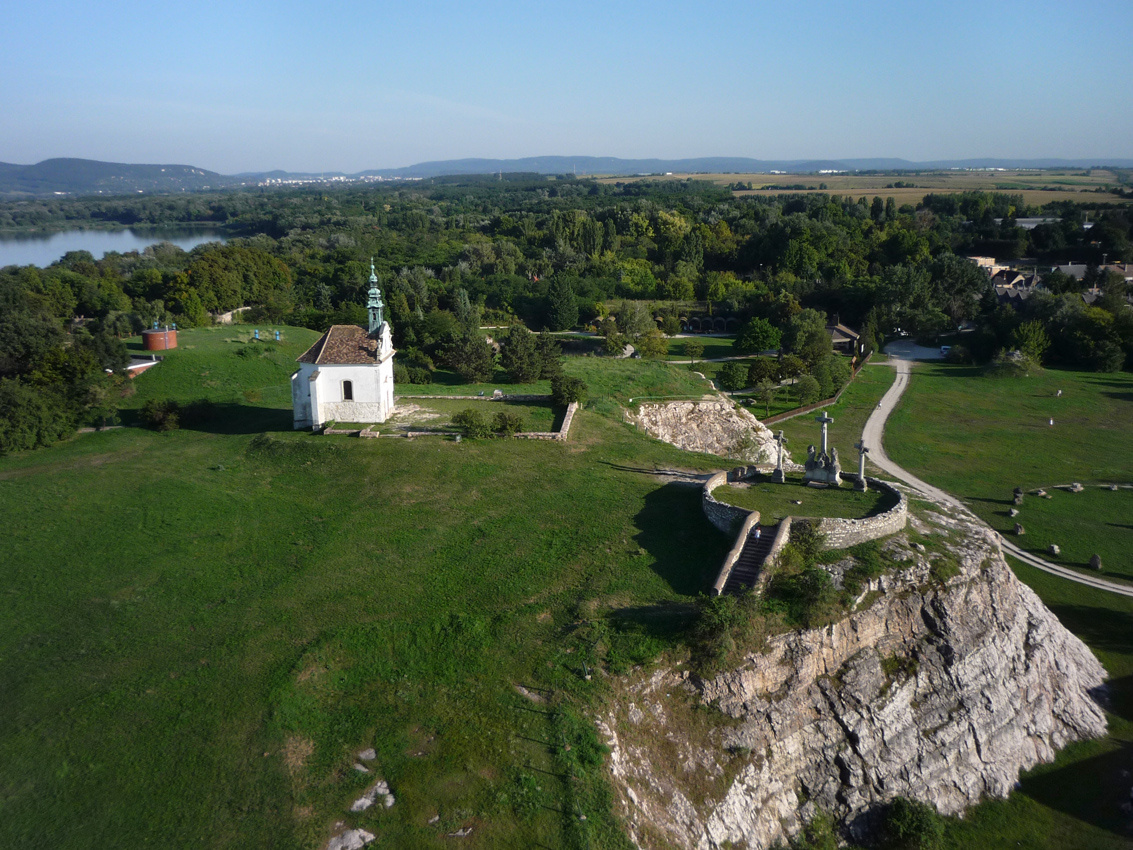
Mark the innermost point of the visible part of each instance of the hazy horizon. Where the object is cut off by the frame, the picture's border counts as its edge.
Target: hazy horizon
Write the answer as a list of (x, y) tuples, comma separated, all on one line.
[(261, 87)]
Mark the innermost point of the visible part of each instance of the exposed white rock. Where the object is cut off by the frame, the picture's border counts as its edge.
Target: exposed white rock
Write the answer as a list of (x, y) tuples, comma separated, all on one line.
[(380, 789), (716, 427), (352, 839), (368, 754), (987, 683)]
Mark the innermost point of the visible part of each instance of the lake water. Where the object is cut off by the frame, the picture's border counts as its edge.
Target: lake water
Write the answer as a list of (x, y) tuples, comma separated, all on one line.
[(43, 249)]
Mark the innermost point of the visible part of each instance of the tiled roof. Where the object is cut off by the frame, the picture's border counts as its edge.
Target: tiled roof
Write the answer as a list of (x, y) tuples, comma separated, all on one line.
[(342, 345)]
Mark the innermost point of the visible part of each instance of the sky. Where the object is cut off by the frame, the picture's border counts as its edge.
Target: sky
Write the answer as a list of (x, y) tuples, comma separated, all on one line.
[(348, 86)]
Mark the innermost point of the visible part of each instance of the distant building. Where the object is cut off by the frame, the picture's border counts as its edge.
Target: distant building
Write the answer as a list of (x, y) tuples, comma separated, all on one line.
[(843, 339), (347, 376)]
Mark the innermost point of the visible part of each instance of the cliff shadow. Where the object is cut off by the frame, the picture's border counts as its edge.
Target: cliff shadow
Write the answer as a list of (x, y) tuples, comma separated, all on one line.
[(687, 549), (1095, 790)]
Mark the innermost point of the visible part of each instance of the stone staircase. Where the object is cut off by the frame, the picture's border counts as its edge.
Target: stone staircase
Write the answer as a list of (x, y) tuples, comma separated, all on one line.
[(747, 566)]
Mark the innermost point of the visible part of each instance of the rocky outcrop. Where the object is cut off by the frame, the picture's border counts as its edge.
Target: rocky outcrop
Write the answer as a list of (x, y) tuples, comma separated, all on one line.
[(715, 427), (942, 692)]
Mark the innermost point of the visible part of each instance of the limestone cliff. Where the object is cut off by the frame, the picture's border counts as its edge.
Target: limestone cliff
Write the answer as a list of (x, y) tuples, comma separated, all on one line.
[(715, 427), (938, 692)]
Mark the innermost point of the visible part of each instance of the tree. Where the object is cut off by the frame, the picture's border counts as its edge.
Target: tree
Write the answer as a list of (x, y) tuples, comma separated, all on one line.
[(518, 355), (807, 390), (693, 349), (653, 345), (563, 308), (790, 366), (566, 389), (549, 351), (762, 369), (756, 336), (732, 376), (766, 391), (1031, 339), (473, 359)]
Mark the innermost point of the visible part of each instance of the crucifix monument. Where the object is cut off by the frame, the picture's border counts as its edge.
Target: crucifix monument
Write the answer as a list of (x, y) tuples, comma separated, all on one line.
[(779, 476), (822, 466), (863, 450)]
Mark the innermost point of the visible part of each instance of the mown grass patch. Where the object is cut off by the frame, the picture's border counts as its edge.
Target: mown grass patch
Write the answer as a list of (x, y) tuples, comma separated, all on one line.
[(775, 501)]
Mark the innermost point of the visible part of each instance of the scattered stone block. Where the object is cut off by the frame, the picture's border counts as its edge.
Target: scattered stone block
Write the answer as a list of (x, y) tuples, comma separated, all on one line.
[(1054, 549), (461, 833), (1113, 487), (919, 547), (1040, 493), (361, 768), (380, 789), (1019, 530), (368, 754), (1076, 487), (1096, 562), (1018, 491), (352, 839), (1012, 512)]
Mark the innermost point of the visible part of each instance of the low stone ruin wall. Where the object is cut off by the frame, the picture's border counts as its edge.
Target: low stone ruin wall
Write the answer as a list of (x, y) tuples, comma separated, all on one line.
[(724, 517), (842, 533), (838, 533)]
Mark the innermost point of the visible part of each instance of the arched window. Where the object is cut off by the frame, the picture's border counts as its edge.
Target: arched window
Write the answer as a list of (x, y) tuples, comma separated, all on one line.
[(347, 391)]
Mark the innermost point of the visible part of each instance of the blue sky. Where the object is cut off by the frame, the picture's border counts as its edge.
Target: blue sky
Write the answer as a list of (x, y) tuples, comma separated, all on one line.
[(350, 85)]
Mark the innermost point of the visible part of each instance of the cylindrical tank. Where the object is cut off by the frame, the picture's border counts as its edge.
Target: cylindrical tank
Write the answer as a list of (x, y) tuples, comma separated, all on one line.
[(159, 340)]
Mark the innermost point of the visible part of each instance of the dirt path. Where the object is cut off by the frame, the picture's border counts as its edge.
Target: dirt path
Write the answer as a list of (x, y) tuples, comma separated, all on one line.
[(872, 436)]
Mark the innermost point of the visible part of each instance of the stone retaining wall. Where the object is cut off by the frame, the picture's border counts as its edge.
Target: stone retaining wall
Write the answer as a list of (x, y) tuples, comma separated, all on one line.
[(724, 517), (734, 554), (839, 533), (843, 533)]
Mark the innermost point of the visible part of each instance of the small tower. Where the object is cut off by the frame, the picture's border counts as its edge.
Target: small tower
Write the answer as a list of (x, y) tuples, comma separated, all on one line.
[(374, 304)]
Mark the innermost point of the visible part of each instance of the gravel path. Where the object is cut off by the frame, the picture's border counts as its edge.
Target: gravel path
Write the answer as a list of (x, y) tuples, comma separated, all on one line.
[(874, 431)]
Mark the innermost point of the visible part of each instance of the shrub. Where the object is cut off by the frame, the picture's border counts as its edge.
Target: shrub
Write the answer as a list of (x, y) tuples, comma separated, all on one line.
[(400, 374), (162, 414), (419, 375), (1011, 364), (912, 825), (472, 422), (566, 389), (508, 423)]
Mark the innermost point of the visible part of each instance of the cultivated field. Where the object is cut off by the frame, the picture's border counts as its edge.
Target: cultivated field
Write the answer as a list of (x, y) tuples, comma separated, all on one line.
[(1037, 187)]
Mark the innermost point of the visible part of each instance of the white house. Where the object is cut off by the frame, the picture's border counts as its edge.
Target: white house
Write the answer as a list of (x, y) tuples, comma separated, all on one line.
[(347, 376)]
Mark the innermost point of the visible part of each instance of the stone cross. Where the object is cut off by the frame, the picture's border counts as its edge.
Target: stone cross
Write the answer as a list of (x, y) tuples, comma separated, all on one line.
[(863, 450), (780, 439), (823, 420)]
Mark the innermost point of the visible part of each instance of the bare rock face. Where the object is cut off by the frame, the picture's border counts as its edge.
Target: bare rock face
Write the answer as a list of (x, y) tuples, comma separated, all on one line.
[(940, 693), (715, 427)]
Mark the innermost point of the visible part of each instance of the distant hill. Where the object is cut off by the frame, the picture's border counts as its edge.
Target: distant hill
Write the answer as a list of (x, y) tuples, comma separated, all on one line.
[(89, 177)]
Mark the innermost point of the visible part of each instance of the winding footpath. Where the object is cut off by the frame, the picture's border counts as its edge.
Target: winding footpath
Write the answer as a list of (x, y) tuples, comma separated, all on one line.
[(901, 358)]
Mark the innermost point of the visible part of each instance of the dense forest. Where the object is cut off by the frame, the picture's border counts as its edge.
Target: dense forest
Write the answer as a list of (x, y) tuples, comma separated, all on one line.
[(457, 253)]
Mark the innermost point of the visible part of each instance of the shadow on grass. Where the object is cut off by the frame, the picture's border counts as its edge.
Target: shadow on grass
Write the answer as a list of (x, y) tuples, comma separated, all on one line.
[(687, 549), (1093, 790), (227, 418), (1103, 628)]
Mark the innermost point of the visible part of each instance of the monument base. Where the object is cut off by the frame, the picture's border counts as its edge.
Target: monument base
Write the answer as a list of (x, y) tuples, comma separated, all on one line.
[(860, 485), (779, 476)]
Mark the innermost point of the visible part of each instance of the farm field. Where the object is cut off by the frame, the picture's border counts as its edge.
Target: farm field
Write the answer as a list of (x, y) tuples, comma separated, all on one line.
[(1036, 187)]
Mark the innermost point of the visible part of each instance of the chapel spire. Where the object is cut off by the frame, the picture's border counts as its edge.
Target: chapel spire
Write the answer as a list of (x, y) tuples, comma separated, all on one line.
[(374, 304)]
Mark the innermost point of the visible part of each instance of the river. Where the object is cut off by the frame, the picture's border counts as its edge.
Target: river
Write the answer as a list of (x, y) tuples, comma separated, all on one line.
[(43, 249)]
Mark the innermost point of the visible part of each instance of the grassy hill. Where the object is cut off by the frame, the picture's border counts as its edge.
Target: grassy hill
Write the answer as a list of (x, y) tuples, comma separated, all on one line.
[(204, 627)]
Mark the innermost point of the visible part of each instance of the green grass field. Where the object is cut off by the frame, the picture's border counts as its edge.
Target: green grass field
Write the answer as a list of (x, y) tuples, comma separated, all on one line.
[(775, 501), (849, 415), (979, 438), (202, 627)]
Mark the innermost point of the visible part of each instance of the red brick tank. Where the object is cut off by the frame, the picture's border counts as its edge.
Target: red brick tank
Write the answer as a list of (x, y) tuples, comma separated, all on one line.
[(159, 340)]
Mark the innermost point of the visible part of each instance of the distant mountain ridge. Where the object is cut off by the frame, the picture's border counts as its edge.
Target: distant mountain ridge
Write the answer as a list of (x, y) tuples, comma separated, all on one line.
[(87, 177)]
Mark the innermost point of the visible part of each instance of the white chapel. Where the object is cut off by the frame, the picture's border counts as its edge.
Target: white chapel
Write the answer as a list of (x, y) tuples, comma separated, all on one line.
[(347, 376)]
